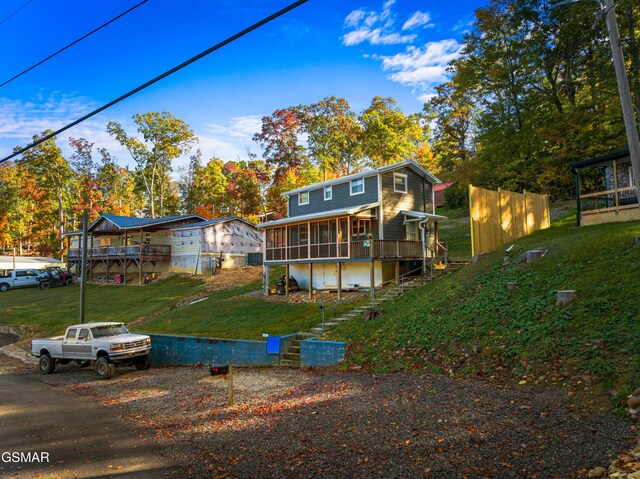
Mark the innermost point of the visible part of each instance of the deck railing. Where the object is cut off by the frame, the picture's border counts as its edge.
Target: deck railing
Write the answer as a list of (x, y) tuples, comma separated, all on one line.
[(609, 200), (356, 249), (132, 251)]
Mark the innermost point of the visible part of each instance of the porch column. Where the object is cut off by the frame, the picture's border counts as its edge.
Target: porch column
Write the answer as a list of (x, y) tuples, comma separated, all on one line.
[(265, 279), (140, 258), (615, 184), (310, 280), (339, 280), (286, 281)]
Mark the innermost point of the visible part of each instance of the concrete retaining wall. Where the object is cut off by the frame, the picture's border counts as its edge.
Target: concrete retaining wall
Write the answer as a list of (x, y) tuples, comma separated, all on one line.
[(186, 350), (15, 329), (315, 353)]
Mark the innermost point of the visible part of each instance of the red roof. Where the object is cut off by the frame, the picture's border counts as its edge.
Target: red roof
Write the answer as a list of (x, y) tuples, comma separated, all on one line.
[(442, 186)]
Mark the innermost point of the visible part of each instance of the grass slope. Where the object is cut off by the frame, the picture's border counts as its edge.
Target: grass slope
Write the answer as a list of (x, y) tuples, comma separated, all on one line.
[(151, 308), (469, 324), (54, 309)]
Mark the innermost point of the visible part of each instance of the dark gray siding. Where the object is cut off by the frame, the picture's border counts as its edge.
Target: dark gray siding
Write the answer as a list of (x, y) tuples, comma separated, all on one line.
[(417, 198), (341, 198)]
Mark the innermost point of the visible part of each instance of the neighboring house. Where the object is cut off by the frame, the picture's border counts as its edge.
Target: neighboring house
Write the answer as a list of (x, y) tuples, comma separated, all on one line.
[(605, 189), (221, 242), (358, 230), (122, 247), (439, 193)]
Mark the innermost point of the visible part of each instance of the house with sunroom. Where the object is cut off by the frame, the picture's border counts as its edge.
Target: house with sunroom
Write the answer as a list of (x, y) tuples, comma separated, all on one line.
[(357, 231)]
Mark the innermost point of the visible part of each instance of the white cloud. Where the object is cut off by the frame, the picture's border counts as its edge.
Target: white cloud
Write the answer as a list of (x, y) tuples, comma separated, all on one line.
[(230, 140), (374, 27), (418, 19), (21, 120), (375, 37), (425, 66)]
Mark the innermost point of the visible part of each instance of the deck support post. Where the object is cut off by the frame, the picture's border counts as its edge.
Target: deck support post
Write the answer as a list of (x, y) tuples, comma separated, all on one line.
[(373, 284), (124, 263), (339, 280), (397, 268), (310, 280), (140, 258), (265, 278), (286, 281)]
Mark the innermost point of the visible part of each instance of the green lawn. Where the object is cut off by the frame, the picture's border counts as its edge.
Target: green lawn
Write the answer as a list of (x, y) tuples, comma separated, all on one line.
[(54, 309), (468, 323), (151, 308)]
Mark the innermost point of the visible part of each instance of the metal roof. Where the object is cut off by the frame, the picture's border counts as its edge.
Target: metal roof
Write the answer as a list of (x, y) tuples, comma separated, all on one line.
[(322, 214), (420, 214), (600, 159), (215, 221), (365, 174), (131, 222)]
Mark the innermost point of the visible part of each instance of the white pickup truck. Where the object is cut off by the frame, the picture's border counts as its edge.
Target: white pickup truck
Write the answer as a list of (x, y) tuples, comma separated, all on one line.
[(104, 344), (20, 278)]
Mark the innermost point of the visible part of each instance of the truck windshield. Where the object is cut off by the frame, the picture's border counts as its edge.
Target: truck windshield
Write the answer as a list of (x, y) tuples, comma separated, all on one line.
[(111, 330)]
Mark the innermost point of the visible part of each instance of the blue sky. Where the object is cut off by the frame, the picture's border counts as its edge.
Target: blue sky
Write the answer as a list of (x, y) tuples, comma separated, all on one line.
[(353, 49)]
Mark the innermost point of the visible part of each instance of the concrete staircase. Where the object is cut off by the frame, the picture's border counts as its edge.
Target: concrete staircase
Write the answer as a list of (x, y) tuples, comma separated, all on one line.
[(291, 356)]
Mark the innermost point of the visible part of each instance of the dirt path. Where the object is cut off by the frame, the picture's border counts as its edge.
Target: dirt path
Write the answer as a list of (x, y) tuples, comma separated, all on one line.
[(294, 424), (82, 438)]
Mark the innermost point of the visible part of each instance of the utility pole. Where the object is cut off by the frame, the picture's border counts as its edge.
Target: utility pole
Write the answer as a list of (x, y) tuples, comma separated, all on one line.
[(83, 274), (624, 92)]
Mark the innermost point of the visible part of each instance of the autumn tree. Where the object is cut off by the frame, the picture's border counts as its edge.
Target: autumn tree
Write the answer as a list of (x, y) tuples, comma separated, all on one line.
[(164, 138)]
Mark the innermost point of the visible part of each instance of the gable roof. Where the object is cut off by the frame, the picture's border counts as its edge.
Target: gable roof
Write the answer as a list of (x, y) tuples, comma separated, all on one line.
[(131, 222), (442, 186), (414, 165), (215, 221)]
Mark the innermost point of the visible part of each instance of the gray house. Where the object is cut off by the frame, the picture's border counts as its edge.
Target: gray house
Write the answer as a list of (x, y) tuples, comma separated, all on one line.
[(357, 230)]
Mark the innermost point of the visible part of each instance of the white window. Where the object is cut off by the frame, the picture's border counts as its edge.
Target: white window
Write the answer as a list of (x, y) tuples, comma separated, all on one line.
[(412, 231), (357, 186), (328, 193), (303, 198), (399, 183)]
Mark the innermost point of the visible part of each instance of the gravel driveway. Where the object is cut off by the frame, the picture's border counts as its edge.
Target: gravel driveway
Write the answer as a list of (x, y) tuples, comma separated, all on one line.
[(288, 423)]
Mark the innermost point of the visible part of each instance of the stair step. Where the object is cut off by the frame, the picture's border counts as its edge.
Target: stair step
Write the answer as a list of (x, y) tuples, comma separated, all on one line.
[(289, 363), (330, 323), (292, 356), (294, 349), (317, 330)]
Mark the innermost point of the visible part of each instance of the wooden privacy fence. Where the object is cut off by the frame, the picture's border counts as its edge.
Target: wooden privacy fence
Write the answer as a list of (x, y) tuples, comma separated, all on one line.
[(499, 217)]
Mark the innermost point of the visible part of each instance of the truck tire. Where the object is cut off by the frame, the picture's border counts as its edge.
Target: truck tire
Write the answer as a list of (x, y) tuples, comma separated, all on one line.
[(45, 285), (105, 368), (47, 364), (4, 287), (143, 363)]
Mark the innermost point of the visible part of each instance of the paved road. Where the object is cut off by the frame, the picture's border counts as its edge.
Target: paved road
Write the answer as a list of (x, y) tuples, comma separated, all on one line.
[(83, 440)]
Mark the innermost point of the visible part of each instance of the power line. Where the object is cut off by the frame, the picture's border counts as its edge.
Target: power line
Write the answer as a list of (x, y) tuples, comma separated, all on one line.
[(73, 43), (217, 46), (7, 18)]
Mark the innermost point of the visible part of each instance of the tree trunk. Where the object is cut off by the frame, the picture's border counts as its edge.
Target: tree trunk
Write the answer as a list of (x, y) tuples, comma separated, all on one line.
[(61, 215)]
